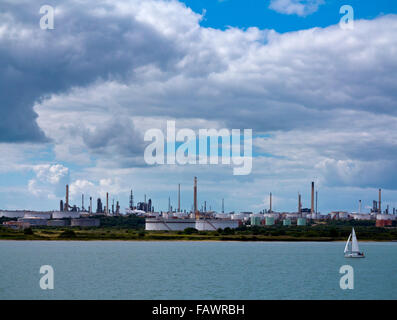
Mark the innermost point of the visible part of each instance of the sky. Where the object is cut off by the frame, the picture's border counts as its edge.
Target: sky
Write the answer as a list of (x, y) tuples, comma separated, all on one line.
[(76, 100)]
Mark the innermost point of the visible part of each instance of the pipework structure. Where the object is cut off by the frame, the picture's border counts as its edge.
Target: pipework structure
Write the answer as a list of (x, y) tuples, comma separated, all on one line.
[(196, 212), (312, 204)]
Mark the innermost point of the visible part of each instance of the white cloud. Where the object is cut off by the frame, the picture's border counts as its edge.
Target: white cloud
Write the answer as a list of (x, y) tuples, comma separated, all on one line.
[(50, 180), (298, 7), (326, 96)]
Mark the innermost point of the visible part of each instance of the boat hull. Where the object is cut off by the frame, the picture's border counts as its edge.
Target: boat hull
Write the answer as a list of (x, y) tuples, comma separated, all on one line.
[(354, 255)]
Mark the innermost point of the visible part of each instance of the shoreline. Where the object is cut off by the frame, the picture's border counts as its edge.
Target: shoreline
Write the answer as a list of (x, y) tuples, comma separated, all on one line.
[(128, 231), (193, 240)]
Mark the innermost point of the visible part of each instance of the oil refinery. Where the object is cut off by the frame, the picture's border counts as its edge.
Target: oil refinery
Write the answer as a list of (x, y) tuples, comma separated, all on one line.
[(200, 219)]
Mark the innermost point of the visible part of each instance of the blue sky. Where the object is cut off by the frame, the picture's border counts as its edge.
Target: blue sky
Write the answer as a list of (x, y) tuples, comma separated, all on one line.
[(76, 101), (244, 14)]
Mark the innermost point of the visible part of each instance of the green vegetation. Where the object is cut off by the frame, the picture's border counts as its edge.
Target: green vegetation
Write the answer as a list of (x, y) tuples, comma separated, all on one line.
[(119, 231), (66, 234), (123, 222), (28, 231)]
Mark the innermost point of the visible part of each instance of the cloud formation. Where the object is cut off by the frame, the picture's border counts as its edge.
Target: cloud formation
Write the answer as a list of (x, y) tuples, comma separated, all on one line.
[(89, 42), (299, 7), (50, 180), (325, 98)]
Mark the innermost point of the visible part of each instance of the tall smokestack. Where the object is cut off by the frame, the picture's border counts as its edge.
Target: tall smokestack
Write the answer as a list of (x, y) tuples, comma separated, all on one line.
[(223, 205), (90, 204), (299, 203), (359, 206), (179, 197), (82, 202), (66, 207), (270, 209), (312, 208), (196, 213), (107, 203), (131, 201), (380, 201)]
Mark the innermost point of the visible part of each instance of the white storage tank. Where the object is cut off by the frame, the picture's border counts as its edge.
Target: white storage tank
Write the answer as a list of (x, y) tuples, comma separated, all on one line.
[(169, 224), (239, 216), (181, 215), (215, 224), (362, 216), (37, 214), (65, 214), (223, 216), (273, 215), (12, 214)]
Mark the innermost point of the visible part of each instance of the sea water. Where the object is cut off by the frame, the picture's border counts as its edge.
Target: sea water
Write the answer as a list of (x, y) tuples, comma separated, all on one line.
[(195, 270)]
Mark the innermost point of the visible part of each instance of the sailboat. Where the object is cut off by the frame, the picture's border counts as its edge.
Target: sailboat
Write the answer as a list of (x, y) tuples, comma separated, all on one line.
[(351, 248)]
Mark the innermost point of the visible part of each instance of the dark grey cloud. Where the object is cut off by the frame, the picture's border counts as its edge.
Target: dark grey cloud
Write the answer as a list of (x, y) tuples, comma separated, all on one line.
[(117, 136), (83, 47)]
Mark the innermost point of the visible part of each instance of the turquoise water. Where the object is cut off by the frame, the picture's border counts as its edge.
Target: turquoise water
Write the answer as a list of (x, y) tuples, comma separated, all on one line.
[(195, 270)]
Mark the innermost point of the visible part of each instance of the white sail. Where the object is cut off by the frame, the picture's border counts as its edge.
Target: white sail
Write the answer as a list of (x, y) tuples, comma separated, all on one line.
[(347, 244), (354, 242)]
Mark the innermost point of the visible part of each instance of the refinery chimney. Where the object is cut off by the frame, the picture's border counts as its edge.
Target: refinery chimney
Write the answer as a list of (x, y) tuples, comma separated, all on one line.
[(316, 201), (107, 203), (196, 213), (380, 201), (359, 206), (66, 207), (90, 204), (312, 208), (299, 203), (179, 197), (270, 209)]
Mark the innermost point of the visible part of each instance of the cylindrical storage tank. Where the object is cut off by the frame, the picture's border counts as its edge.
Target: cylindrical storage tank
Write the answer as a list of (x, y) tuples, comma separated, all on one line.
[(215, 224), (12, 214), (237, 216), (269, 221), (222, 216), (65, 214), (286, 222), (256, 221), (301, 222), (360, 216), (57, 223), (38, 215), (275, 216)]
